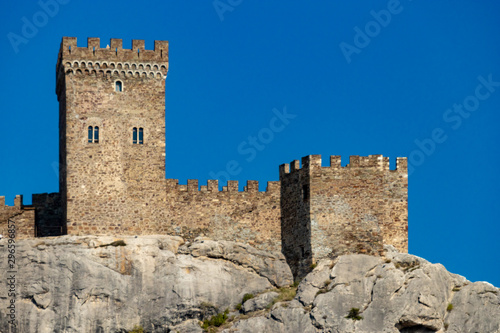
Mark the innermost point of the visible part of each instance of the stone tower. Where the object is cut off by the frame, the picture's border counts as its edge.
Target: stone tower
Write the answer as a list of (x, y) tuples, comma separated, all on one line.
[(112, 135), (329, 211)]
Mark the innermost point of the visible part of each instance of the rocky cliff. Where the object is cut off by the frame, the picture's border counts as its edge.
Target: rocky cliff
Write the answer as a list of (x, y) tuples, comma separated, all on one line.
[(163, 284)]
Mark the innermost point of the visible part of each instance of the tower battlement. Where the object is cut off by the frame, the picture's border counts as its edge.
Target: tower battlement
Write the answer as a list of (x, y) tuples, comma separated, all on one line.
[(370, 162), (114, 52), (18, 201), (252, 186), (111, 61)]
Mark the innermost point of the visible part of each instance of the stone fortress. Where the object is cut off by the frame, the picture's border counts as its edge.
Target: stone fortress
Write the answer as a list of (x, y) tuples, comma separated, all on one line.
[(112, 174)]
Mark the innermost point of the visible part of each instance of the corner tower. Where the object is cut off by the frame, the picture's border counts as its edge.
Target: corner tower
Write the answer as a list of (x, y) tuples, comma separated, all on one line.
[(330, 211), (111, 135)]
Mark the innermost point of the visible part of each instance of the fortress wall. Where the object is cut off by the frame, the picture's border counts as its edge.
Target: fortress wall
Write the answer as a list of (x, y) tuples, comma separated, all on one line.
[(247, 216), (23, 217), (363, 202), (353, 209)]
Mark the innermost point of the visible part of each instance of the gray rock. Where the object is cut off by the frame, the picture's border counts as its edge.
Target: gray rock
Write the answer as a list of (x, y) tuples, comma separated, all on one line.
[(83, 284), (475, 309), (271, 265), (188, 326), (259, 302), (318, 279), (292, 318), (407, 294)]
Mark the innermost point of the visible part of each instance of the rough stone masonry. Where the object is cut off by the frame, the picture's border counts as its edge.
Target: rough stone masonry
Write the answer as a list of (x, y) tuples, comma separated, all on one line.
[(112, 174)]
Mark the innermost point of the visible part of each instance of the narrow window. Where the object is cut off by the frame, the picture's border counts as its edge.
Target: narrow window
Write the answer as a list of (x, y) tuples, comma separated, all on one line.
[(141, 136), (96, 134), (134, 136), (91, 131), (305, 192), (118, 86)]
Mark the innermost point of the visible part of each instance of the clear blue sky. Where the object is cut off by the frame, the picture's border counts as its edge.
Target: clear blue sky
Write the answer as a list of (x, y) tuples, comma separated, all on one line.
[(423, 83)]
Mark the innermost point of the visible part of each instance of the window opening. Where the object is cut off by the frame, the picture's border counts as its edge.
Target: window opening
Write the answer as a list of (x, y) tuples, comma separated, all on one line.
[(96, 134), (305, 192), (141, 136), (134, 136), (91, 131), (93, 134), (118, 86)]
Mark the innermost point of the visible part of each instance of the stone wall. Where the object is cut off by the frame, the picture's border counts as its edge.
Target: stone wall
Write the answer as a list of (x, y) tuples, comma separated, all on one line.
[(114, 186), (248, 216), (23, 218), (353, 209)]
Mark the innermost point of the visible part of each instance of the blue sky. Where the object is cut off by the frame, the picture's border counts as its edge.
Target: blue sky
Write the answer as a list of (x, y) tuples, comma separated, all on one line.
[(409, 78)]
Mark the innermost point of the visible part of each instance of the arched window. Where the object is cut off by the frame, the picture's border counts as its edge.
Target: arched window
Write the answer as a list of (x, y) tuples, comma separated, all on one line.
[(93, 134), (118, 86), (138, 135), (96, 134)]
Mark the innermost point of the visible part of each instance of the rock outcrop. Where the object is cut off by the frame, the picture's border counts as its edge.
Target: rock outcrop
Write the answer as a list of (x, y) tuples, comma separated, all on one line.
[(398, 293), (95, 284), (105, 284)]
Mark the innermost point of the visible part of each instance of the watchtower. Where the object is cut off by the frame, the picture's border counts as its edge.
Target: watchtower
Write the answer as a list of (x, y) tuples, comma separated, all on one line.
[(112, 134), (329, 211)]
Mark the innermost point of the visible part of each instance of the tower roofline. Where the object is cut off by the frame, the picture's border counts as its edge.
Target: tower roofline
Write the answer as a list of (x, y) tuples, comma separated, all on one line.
[(111, 60), (114, 51)]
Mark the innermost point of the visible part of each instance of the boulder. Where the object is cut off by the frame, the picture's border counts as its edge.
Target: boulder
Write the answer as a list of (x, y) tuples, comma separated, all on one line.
[(259, 302)]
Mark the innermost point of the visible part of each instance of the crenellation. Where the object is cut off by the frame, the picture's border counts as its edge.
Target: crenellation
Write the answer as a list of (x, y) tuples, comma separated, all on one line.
[(232, 185), (93, 43), (192, 185), (311, 162), (101, 62), (252, 186), (22, 217), (284, 169), (116, 44), (294, 165), (375, 162), (213, 185), (402, 164), (335, 161), (70, 50), (138, 45), (161, 47), (18, 201), (371, 161)]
